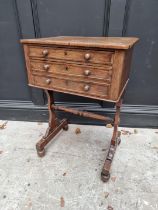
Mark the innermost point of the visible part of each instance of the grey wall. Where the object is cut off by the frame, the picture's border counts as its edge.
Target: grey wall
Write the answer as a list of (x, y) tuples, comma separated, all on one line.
[(142, 22), (13, 81)]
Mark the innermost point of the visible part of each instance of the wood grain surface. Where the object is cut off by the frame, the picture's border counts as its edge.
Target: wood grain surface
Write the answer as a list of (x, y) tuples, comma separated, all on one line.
[(100, 42), (93, 67)]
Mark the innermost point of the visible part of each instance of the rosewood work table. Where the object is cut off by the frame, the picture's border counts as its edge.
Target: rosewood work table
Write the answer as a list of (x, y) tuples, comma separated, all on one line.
[(93, 67)]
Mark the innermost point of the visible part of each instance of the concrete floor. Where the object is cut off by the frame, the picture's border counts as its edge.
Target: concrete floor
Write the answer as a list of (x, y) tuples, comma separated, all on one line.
[(68, 177)]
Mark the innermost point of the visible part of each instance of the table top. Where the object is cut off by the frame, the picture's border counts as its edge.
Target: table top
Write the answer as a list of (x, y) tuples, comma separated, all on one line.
[(76, 41)]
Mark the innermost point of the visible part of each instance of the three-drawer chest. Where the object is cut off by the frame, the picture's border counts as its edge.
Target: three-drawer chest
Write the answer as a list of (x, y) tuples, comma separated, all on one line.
[(93, 67)]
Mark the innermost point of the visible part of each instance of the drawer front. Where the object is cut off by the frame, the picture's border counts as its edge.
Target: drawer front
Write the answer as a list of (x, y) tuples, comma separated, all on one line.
[(70, 86), (86, 72), (85, 56)]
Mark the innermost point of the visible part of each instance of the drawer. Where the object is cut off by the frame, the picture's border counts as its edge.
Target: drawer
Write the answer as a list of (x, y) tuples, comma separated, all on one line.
[(70, 86), (87, 72), (75, 55)]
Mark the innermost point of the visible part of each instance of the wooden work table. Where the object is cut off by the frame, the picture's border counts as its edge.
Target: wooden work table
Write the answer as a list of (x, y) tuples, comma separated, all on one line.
[(93, 67)]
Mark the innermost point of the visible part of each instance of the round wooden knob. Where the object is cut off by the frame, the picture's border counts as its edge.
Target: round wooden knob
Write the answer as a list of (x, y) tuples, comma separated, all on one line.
[(86, 87), (45, 52), (48, 81), (66, 68), (87, 72), (65, 53), (46, 66), (87, 56)]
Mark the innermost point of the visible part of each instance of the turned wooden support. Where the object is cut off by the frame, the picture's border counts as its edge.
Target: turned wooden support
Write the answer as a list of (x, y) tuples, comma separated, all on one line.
[(83, 113), (52, 116), (115, 141), (116, 122)]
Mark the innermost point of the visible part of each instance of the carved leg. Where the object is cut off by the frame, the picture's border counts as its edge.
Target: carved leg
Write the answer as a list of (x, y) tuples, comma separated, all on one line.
[(54, 126), (105, 174)]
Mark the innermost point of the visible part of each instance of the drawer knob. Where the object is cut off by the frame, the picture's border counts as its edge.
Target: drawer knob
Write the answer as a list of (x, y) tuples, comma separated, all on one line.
[(66, 68), (87, 56), (45, 52), (46, 66), (48, 81), (86, 87), (87, 72)]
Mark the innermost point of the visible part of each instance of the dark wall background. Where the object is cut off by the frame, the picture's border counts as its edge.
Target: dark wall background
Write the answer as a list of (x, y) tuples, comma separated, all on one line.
[(43, 18), (12, 74)]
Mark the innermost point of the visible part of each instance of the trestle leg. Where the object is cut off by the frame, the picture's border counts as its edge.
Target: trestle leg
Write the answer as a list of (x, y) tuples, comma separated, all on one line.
[(115, 141), (54, 126)]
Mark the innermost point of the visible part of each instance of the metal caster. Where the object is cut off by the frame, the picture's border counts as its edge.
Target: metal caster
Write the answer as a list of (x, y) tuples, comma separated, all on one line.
[(105, 176), (41, 153), (66, 127)]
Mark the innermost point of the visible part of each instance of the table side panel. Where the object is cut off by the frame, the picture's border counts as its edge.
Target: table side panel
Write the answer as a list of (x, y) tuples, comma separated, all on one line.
[(117, 75), (126, 67), (27, 61)]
